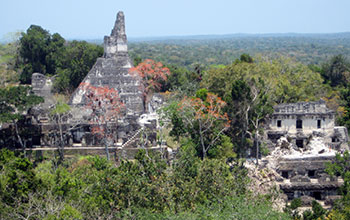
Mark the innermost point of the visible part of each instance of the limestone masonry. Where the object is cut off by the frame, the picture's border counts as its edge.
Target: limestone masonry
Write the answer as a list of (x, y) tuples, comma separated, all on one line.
[(112, 70), (302, 138), (303, 120)]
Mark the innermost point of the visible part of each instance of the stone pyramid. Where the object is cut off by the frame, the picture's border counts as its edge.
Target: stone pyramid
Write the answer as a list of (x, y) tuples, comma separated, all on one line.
[(112, 70)]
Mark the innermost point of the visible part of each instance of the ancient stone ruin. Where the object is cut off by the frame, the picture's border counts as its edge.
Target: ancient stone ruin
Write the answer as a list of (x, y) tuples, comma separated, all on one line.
[(304, 120), (302, 138), (112, 70), (42, 86)]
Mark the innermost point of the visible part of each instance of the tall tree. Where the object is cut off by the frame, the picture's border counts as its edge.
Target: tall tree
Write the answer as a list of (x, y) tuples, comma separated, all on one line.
[(261, 106), (78, 58), (36, 51), (249, 105), (59, 116), (238, 109), (203, 119), (246, 58), (288, 81), (336, 71), (344, 118)]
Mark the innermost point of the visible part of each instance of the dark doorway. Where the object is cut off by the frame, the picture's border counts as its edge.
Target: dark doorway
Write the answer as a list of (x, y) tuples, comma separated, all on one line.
[(299, 124), (319, 123), (317, 195), (279, 123), (285, 174), (36, 140), (334, 139), (299, 143), (311, 173)]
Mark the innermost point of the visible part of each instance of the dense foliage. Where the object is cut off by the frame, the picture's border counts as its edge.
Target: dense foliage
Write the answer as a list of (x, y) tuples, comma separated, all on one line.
[(341, 167), (39, 51), (91, 188)]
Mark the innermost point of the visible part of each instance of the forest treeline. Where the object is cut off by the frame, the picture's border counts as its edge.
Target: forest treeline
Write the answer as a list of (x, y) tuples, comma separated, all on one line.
[(218, 104), (307, 49)]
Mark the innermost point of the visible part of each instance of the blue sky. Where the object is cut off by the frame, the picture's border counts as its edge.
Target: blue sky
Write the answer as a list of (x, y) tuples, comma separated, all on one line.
[(87, 19)]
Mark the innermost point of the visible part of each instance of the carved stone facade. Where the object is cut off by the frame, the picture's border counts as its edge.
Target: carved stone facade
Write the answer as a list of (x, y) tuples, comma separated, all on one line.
[(112, 70), (306, 176), (303, 137), (42, 86), (300, 121)]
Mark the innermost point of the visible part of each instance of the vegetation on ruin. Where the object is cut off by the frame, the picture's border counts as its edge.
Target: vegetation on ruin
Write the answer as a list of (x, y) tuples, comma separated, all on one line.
[(219, 97), (106, 108)]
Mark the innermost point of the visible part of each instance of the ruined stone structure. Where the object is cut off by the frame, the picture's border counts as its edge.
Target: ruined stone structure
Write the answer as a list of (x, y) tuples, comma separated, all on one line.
[(305, 177), (42, 86), (112, 70), (303, 137), (302, 120)]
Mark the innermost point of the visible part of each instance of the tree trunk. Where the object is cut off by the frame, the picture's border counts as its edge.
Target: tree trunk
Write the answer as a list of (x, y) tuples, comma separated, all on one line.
[(257, 141), (19, 138), (61, 144), (202, 141), (257, 147), (107, 150)]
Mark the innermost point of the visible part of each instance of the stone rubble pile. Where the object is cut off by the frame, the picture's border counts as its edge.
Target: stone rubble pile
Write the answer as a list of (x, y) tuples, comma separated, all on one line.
[(264, 181), (315, 147)]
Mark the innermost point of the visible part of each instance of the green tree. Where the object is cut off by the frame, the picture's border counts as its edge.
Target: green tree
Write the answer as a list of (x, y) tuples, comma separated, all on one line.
[(344, 119), (336, 71), (15, 101), (59, 116), (318, 212), (75, 63), (17, 178), (55, 53), (261, 106), (238, 110), (37, 52), (341, 167), (288, 81), (246, 58), (203, 120)]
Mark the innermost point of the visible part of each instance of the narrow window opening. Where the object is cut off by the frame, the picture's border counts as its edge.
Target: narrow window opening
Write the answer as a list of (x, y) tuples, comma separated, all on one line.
[(77, 136), (299, 124), (334, 139), (299, 143), (36, 140), (317, 195), (279, 123), (285, 174), (311, 173), (319, 123)]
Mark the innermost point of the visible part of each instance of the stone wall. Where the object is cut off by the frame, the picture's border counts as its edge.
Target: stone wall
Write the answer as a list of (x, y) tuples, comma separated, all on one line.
[(112, 71)]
